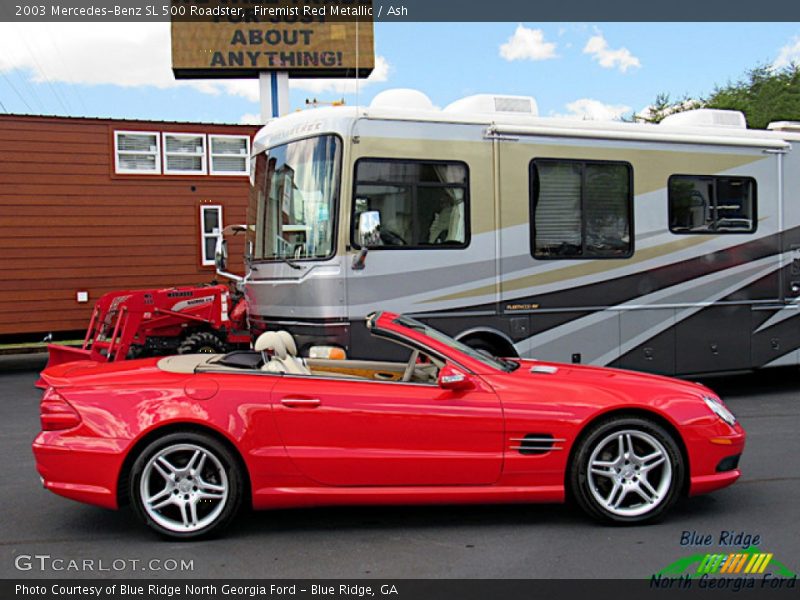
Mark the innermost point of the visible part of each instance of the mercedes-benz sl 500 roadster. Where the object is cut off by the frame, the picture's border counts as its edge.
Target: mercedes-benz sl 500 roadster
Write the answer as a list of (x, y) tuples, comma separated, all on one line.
[(188, 440)]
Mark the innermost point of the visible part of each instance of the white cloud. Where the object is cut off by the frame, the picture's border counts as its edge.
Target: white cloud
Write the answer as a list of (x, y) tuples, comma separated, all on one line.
[(620, 58), (588, 109), (527, 44), (343, 86), (250, 119), (789, 54), (128, 55), (123, 54)]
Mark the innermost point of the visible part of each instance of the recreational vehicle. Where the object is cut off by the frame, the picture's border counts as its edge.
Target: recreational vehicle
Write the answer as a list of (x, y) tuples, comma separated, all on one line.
[(671, 248)]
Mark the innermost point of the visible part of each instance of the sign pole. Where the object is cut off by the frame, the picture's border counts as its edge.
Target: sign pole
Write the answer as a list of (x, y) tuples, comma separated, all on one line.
[(273, 88)]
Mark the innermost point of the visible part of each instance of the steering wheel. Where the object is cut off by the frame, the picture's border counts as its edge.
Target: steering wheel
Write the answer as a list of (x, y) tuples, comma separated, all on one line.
[(410, 367)]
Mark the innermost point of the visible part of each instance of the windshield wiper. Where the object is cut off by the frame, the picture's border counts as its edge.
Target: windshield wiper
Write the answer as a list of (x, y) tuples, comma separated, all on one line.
[(511, 365)]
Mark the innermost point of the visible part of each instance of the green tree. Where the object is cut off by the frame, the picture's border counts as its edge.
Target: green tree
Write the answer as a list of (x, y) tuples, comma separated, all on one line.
[(764, 94), (663, 106)]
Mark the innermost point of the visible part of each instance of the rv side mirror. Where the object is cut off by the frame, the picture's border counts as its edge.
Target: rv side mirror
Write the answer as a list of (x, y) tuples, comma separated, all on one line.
[(369, 228), (221, 254)]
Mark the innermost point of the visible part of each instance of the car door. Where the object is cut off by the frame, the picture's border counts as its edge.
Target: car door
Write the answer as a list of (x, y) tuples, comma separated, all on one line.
[(349, 432)]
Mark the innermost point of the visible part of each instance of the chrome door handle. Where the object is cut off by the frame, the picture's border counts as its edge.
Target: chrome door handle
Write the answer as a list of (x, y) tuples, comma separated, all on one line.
[(300, 402)]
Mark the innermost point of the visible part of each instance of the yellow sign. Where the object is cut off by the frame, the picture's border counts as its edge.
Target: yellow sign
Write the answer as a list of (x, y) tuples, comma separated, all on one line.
[(320, 39)]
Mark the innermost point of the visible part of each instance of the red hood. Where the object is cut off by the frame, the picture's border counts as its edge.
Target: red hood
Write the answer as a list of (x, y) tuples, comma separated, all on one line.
[(600, 376)]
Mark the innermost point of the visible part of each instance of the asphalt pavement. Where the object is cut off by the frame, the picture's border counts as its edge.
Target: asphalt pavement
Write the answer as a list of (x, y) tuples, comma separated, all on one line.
[(519, 541)]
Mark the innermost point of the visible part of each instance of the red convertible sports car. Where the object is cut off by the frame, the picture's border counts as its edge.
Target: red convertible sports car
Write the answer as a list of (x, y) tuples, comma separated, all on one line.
[(187, 440)]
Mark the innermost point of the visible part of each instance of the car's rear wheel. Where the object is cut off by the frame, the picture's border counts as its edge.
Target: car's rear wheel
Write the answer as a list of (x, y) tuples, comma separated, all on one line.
[(186, 485), (627, 470)]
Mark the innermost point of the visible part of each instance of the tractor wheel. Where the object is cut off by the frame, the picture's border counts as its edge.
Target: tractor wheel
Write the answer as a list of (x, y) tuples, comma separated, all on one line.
[(202, 342)]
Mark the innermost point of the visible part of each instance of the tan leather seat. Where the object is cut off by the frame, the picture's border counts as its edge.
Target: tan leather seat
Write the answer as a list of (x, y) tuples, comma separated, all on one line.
[(294, 364), (273, 350)]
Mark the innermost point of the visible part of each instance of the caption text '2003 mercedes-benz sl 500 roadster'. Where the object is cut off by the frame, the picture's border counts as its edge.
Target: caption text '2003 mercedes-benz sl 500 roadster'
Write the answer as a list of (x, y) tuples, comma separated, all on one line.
[(188, 440)]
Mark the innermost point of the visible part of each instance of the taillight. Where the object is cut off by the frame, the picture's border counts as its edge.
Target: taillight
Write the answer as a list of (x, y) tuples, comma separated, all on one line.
[(56, 413)]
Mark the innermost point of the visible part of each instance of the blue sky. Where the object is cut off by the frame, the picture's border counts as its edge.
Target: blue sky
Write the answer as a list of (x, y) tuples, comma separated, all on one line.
[(582, 70)]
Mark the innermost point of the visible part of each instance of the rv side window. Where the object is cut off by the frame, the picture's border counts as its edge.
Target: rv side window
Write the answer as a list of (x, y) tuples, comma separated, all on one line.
[(422, 204), (581, 209), (710, 204)]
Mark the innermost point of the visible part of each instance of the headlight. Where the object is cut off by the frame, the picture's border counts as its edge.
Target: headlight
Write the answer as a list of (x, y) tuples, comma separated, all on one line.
[(719, 409)]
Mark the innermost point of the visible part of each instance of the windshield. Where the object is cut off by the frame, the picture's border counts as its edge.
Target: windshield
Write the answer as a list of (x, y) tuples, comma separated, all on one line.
[(292, 199), (495, 363)]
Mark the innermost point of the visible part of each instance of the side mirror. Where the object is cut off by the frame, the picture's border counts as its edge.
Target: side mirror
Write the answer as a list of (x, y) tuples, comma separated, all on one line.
[(451, 378), (221, 254), (369, 229), (221, 251)]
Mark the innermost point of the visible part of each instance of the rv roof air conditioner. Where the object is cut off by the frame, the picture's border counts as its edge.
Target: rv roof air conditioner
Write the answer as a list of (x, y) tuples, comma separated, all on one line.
[(786, 126), (491, 103), (402, 98), (707, 117)]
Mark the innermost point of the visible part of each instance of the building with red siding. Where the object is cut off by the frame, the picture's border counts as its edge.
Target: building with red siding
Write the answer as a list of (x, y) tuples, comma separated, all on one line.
[(88, 206)]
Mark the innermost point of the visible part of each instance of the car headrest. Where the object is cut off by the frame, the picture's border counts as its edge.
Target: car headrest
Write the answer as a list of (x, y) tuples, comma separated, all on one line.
[(288, 341), (271, 341)]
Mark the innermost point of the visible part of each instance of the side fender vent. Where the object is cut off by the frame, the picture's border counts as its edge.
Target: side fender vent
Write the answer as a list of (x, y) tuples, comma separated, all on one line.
[(536, 443)]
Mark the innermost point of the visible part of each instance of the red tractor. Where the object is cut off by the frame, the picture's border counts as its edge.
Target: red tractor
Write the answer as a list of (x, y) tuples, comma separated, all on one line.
[(137, 323)]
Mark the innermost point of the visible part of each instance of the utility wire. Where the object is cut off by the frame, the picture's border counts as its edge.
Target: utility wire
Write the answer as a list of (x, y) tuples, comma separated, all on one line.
[(42, 72), (20, 96), (73, 87), (27, 88)]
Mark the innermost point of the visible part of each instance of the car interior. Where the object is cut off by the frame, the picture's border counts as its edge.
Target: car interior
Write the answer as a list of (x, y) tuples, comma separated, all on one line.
[(276, 352)]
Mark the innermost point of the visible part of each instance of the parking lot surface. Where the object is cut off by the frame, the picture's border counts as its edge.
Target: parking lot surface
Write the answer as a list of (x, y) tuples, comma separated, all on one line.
[(517, 541)]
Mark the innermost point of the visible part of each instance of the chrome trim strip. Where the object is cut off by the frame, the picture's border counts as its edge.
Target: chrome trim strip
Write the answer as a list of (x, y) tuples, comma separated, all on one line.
[(461, 313), (301, 323), (300, 401)]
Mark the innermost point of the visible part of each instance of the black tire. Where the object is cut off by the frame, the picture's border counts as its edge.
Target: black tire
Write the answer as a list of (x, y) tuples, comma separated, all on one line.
[(211, 516), (594, 492), (482, 346), (202, 342), (498, 350), (135, 351)]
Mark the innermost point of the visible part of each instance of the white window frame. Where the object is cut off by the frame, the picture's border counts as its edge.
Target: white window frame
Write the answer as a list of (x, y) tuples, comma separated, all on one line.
[(245, 172), (206, 261), (202, 155), (157, 152)]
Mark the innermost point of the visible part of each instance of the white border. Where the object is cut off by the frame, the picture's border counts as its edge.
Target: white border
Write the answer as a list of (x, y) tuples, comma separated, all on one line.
[(202, 155), (246, 155), (208, 262), (123, 171)]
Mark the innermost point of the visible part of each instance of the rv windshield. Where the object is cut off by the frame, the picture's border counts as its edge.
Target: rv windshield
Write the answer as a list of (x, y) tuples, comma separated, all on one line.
[(292, 200)]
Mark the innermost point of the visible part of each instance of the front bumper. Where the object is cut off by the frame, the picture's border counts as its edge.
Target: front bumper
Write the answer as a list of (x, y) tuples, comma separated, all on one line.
[(714, 450)]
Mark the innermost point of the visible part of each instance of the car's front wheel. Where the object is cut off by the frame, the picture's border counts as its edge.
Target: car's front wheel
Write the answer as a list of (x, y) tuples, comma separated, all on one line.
[(186, 485), (627, 470)]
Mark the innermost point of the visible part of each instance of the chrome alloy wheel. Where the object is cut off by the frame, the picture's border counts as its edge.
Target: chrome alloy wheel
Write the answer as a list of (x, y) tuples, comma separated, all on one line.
[(629, 473), (184, 487)]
